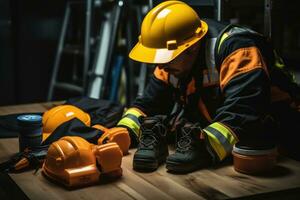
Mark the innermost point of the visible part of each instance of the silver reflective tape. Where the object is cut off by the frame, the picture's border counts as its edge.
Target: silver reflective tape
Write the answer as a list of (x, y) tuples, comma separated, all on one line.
[(222, 139), (133, 118)]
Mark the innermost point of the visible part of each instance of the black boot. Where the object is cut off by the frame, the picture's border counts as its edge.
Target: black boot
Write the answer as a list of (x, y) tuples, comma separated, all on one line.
[(191, 153), (153, 148)]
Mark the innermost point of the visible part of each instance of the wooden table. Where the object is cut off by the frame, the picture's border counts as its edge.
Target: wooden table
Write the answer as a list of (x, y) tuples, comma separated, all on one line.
[(214, 183)]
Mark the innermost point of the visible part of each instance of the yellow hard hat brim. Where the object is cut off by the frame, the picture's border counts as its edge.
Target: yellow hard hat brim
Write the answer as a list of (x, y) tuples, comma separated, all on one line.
[(145, 54), (45, 136)]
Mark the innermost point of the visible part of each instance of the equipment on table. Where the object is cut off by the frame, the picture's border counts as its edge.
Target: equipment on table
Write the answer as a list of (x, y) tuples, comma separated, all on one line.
[(60, 114), (250, 160), (118, 135), (30, 131), (75, 162), (68, 120), (22, 160)]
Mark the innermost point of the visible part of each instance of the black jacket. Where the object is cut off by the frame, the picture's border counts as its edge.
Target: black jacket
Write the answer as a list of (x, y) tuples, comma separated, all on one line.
[(229, 90)]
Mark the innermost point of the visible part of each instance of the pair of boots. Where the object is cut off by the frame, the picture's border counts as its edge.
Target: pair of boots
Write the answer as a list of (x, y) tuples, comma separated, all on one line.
[(190, 154)]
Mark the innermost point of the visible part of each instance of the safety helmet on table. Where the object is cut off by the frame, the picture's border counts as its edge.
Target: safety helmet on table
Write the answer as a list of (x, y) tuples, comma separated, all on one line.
[(167, 30), (74, 162), (68, 159), (60, 114)]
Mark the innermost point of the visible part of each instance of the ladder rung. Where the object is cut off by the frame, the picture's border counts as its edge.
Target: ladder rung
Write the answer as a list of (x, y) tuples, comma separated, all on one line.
[(68, 86)]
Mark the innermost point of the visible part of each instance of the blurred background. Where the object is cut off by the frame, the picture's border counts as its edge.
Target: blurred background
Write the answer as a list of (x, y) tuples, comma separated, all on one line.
[(57, 49)]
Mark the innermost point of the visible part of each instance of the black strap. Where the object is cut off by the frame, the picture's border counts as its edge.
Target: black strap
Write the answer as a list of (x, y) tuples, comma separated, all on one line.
[(34, 156)]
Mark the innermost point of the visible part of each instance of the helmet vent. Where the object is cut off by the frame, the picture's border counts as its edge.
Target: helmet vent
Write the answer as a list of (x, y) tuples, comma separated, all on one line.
[(198, 31), (171, 44)]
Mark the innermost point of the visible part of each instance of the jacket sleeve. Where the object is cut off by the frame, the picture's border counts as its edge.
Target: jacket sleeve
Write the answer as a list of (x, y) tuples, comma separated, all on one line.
[(245, 86), (157, 99)]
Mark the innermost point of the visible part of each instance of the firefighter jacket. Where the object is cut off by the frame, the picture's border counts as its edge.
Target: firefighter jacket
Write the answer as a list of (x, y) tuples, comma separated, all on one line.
[(229, 90)]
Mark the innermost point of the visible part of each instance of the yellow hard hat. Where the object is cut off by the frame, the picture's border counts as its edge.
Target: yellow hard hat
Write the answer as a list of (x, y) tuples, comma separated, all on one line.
[(167, 30), (60, 114)]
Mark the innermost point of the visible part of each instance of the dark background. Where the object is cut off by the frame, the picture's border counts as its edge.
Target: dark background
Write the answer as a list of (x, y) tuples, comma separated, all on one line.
[(29, 31)]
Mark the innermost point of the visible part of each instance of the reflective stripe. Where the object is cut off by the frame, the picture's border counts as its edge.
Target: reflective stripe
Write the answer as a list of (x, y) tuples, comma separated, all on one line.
[(134, 111), (130, 124), (210, 52), (217, 147), (130, 120), (233, 31), (211, 75), (224, 36), (281, 65), (225, 131), (278, 61), (221, 139), (133, 118), (225, 145)]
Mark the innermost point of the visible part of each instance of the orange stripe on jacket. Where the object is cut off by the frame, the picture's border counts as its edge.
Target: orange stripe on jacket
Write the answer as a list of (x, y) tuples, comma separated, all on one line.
[(239, 62), (191, 88), (161, 74)]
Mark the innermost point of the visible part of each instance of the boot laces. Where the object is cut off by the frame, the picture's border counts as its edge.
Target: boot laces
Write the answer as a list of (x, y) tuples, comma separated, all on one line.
[(150, 136), (186, 140)]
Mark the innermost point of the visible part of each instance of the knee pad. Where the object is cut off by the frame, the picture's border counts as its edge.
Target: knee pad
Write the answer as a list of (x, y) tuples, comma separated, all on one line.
[(109, 158), (74, 162), (118, 135)]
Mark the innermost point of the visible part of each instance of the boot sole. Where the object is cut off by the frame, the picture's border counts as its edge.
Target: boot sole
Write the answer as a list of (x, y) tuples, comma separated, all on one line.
[(140, 164), (181, 168)]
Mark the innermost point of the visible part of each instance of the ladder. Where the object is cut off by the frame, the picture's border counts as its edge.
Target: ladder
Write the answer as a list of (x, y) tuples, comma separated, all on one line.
[(103, 60), (76, 50), (97, 61)]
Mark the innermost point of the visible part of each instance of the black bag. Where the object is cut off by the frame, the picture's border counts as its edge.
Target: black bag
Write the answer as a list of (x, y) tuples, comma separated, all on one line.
[(102, 112)]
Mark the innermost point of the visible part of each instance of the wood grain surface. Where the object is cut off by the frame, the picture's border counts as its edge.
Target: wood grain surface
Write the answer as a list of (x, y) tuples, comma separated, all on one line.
[(213, 183)]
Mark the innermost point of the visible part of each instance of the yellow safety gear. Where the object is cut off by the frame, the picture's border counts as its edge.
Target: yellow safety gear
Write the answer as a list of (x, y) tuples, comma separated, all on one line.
[(221, 138), (130, 120), (167, 30)]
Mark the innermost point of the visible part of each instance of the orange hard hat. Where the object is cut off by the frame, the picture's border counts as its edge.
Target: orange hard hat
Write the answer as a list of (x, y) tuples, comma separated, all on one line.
[(118, 135), (71, 161), (74, 162), (60, 114)]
